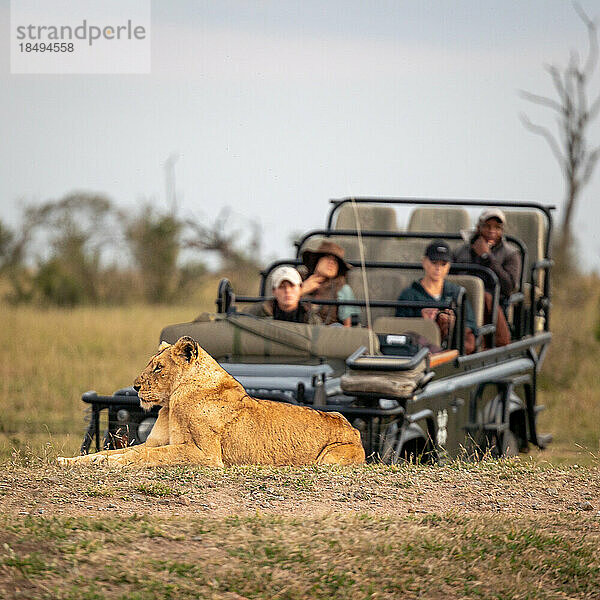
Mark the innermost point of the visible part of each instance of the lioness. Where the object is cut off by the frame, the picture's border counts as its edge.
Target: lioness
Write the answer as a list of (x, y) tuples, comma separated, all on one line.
[(208, 419)]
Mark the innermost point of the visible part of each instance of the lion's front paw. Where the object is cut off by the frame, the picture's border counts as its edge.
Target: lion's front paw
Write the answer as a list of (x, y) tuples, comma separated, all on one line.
[(85, 459), (126, 458)]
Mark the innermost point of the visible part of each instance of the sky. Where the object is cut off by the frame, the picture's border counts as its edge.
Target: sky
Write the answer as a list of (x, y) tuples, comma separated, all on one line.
[(273, 107)]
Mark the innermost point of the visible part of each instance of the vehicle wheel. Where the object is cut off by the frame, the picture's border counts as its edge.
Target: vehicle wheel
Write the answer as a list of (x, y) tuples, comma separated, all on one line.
[(510, 444)]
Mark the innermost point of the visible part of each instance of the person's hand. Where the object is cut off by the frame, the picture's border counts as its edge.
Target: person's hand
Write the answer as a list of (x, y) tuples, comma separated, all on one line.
[(312, 283), (445, 320), (429, 313), (480, 246)]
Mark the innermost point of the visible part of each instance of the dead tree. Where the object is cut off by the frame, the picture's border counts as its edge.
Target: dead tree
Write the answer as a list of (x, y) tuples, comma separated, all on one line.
[(574, 114)]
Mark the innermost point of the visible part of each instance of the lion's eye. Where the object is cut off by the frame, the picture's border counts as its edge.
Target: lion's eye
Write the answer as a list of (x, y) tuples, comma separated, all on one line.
[(157, 369)]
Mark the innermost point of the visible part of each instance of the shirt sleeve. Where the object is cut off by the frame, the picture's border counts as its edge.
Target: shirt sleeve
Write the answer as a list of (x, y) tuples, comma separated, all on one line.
[(344, 312), (508, 271)]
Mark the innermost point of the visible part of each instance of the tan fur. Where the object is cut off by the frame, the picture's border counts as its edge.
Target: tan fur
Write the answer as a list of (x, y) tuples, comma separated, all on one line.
[(206, 418)]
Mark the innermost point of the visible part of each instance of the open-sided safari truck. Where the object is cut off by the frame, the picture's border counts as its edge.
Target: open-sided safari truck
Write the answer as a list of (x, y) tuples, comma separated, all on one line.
[(405, 401)]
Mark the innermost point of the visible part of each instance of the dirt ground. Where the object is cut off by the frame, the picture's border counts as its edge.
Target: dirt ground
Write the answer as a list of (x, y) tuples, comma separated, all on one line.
[(511, 487), (498, 529)]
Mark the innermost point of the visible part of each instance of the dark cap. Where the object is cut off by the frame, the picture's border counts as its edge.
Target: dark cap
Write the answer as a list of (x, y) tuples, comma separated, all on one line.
[(438, 250)]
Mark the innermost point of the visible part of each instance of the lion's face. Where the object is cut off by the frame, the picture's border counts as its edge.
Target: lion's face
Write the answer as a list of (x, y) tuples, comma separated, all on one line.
[(157, 381)]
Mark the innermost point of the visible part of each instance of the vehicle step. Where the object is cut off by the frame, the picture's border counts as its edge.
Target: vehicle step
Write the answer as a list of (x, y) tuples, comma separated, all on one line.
[(544, 440), (539, 408), (472, 427)]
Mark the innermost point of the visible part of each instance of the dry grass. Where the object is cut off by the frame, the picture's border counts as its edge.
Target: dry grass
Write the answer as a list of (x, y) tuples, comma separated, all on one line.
[(570, 381), (49, 357)]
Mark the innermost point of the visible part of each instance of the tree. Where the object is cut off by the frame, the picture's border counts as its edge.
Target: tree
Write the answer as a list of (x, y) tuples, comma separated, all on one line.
[(79, 226), (574, 115), (155, 241)]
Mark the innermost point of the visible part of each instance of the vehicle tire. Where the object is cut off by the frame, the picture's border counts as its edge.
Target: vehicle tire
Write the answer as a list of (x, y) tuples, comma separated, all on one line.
[(510, 445)]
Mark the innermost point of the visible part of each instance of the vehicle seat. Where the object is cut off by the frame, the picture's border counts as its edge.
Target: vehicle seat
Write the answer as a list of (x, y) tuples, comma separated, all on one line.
[(398, 325), (383, 284), (530, 227), (439, 219), (350, 245), (372, 218), (475, 293), (410, 250), (243, 335)]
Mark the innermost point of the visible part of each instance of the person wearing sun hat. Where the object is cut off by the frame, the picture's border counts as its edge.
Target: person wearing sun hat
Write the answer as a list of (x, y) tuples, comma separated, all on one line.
[(325, 279), (285, 305)]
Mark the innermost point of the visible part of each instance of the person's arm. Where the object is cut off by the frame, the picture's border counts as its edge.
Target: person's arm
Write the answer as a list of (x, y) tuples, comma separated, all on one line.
[(470, 317), (507, 272), (312, 283), (470, 342)]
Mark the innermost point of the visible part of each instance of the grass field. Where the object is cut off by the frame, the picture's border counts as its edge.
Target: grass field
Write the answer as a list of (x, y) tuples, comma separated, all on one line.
[(524, 528)]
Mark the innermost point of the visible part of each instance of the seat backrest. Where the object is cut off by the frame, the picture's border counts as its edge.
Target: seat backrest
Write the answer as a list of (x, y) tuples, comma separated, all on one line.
[(350, 245), (383, 284), (373, 218), (398, 325), (475, 293), (250, 336), (439, 219), (402, 250), (530, 227)]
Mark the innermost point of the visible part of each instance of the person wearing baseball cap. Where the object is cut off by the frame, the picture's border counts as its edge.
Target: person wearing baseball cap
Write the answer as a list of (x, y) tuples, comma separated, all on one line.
[(434, 287), (488, 247), (285, 305)]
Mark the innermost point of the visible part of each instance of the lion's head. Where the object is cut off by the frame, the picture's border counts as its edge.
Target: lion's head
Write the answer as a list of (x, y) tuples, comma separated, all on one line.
[(162, 374)]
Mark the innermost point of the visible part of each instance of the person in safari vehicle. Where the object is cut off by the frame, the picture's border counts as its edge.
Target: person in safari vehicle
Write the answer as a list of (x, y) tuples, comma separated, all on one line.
[(325, 279), (434, 287), (285, 305), (488, 247)]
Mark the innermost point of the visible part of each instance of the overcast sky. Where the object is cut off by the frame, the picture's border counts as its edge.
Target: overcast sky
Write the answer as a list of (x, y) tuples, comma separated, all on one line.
[(274, 107)]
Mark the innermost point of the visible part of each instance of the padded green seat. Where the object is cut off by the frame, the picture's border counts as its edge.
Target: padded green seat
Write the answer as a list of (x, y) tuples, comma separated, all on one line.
[(373, 218), (530, 227), (475, 294), (398, 325), (439, 219), (383, 284), (244, 335)]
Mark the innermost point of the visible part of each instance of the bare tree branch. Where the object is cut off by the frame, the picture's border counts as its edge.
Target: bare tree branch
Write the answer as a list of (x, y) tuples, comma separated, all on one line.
[(591, 163), (570, 145), (592, 58), (542, 100), (545, 133), (594, 107), (557, 80)]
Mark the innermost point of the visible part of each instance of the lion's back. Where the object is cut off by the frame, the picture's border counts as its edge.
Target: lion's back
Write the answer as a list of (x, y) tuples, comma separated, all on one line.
[(266, 432)]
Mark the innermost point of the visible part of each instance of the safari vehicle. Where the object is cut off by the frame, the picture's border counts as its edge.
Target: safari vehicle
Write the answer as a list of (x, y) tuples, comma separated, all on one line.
[(407, 402)]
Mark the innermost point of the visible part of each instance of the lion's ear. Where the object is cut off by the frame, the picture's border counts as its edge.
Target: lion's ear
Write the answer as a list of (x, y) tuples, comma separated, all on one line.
[(185, 349), (163, 345)]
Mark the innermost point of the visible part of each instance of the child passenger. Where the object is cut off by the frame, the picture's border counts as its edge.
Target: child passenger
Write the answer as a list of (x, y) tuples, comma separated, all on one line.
[(434, 287)]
